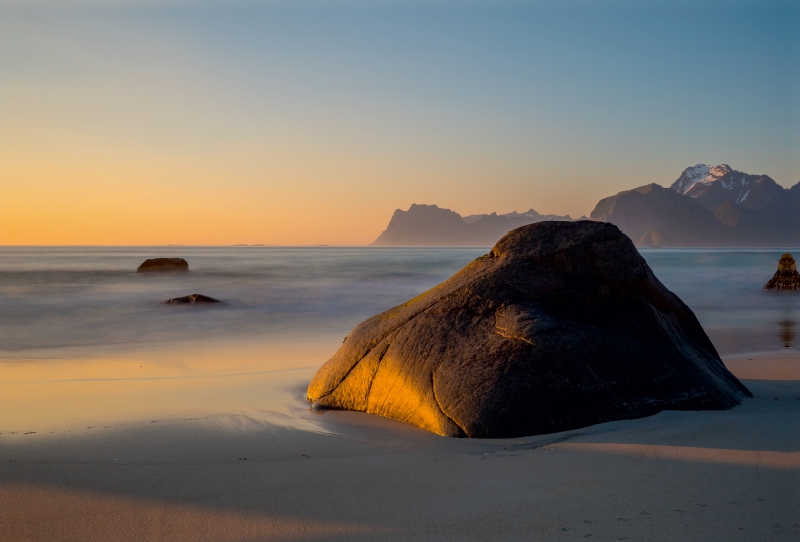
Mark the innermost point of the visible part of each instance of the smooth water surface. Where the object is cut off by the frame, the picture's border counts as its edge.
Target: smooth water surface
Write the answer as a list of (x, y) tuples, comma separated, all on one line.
[(91, 298), (724, 288)]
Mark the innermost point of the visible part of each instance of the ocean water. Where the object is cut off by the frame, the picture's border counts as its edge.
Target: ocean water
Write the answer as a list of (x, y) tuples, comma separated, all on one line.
[(85, 342), (90, 300), (724, 288)]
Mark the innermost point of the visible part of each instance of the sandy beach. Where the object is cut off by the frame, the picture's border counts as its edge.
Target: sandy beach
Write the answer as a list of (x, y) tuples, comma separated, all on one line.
[(732, 475), (231, 228)]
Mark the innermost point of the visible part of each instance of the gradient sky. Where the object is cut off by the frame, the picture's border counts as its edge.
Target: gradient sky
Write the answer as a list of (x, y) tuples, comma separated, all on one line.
[(309, 122)]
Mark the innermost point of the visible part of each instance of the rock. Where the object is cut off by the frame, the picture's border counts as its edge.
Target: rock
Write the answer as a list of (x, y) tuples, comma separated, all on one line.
[(562, 325), (786, 277), (163, 264), (194, 299)]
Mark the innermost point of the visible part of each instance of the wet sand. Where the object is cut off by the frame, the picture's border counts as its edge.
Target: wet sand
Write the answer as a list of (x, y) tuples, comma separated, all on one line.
[(252, 475)]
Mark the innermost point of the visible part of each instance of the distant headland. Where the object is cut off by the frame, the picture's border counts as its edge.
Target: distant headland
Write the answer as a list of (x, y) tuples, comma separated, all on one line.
[(429, 225)]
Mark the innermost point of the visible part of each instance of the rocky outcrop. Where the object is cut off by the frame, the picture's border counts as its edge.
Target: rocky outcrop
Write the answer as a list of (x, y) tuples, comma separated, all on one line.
[(194, 299), (163, 264), (786, 277), (562, 325)]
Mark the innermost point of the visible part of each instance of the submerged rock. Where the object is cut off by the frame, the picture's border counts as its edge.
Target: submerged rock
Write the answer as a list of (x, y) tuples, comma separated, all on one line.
[(561, 325), (194, 299), (786, 277), (163, 264)]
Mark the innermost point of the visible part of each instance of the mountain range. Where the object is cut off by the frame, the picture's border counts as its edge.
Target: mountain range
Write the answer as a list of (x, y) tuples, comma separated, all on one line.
[(706, 206), (429, 225)]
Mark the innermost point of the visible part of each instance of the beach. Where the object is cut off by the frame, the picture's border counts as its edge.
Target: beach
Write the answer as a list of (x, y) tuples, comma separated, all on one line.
[(391, 271), (122, 419), (713, 475)]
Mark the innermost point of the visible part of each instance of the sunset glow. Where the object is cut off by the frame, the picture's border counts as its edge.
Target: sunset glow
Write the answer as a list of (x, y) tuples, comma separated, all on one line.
[(167, 123)]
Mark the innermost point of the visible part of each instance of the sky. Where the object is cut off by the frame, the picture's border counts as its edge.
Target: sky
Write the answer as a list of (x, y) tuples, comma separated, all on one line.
[(309, 122)]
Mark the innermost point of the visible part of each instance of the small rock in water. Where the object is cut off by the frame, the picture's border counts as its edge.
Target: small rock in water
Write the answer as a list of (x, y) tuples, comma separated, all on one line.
[(786, 277), (163, 264), (191, 300)]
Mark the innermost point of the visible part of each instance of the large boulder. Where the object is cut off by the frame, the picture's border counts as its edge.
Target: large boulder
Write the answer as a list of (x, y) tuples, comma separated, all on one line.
[(163, 264), (561, 325), (786, 277)]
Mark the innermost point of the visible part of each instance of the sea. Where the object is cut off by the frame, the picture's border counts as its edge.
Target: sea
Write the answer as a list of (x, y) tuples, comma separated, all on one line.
[(84, 337)]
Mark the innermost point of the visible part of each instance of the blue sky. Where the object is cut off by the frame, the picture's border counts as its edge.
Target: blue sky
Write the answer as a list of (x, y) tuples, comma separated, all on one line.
[(340, 107)]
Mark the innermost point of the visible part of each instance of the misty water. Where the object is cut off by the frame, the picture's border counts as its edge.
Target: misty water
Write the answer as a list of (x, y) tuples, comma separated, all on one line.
[(90, 299), (85, 341)]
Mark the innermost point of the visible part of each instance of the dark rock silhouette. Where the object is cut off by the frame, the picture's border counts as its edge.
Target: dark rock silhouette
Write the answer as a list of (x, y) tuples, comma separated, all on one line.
[(786, 277), (194, 299), (163, 264), (562, 325)]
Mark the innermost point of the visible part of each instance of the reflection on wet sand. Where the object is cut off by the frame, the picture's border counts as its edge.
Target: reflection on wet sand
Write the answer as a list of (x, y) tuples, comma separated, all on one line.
[(787, 333), (56, 395)]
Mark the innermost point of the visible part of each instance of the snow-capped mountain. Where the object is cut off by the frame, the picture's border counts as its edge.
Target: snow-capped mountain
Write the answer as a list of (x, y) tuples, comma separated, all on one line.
[(707, 206), (699, 173), (713, 186)]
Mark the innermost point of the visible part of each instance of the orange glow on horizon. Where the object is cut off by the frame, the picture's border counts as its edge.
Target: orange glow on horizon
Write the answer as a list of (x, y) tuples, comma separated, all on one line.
[(225, 199), (256, 194)]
